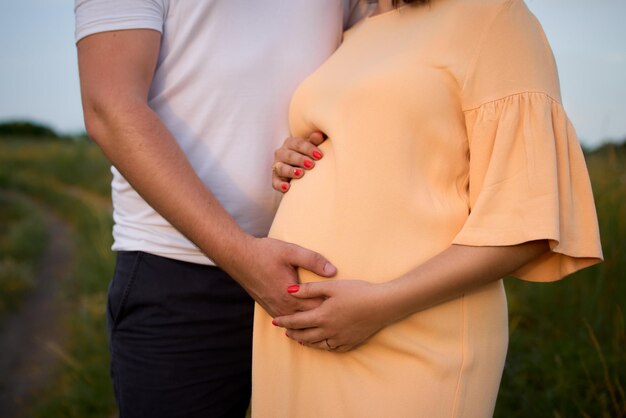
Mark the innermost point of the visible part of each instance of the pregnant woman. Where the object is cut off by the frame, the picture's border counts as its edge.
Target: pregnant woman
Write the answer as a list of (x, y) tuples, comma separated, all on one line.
[(449, 163)]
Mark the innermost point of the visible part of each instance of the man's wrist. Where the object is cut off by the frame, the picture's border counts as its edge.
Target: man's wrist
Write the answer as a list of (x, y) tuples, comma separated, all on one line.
[(235, 254)]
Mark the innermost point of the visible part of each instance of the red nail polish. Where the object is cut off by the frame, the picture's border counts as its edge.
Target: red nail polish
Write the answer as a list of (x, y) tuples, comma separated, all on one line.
[(317, 155), (286, 335), (293, 288), (297, 172), (307, 164), (284, 187), (274, 323)]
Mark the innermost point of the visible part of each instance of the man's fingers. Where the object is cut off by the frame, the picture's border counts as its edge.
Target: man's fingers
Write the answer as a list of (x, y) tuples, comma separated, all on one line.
[(312, 261)]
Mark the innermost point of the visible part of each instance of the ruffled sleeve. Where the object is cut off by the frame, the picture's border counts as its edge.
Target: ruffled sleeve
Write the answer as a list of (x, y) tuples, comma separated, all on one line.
[(528, 181), (527, 174)]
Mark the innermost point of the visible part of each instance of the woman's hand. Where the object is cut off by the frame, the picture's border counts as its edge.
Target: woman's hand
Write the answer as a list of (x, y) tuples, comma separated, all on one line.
[(293, 158), (353, 311)]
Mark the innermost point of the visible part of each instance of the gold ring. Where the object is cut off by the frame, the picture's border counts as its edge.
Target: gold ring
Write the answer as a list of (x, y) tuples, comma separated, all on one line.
[(330, 347)]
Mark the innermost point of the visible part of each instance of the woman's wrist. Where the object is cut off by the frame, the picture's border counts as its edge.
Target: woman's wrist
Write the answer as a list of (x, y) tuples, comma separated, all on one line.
[(391, 306)]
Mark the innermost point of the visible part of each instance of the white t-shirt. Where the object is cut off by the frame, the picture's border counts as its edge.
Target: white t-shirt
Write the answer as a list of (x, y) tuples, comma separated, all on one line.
[(222, 86)]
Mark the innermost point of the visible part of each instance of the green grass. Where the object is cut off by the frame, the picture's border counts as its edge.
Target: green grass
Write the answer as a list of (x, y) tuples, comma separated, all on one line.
[(567, 355), (22, 241)]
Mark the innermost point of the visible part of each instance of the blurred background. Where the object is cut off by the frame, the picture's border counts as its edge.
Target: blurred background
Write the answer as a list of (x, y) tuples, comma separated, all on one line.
[(567, 354)]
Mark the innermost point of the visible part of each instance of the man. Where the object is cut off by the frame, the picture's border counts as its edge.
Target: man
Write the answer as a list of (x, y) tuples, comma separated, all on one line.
[(188, 99)]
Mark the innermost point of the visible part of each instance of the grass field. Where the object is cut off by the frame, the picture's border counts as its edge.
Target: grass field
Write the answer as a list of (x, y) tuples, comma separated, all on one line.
[(22, 240), (567, 355)]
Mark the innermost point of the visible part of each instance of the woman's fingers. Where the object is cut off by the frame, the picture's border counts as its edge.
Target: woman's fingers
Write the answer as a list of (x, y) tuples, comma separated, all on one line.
[(317, 138), (280, 184), (314, 338), (299, 320), (282, 174), (313, 289), (294, 157), (306, 336), (308, 304), (300, 152), (306, 146), (286, 171)]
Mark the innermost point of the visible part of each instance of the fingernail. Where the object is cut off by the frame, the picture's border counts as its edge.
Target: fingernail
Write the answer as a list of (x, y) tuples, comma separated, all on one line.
[(274, 323), (297, 172), (286, 335), (293, 288), (307, 164), (284, 187), (317, 155), (329, 269)]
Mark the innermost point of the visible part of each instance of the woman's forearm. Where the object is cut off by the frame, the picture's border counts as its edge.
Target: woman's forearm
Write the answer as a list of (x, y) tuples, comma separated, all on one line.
[(451, 273)]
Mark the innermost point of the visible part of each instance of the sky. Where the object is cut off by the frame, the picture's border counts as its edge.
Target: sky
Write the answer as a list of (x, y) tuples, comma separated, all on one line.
[(39, 77)]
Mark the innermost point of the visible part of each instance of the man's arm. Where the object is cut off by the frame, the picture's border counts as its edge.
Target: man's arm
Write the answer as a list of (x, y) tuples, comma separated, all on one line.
[(116, 70)]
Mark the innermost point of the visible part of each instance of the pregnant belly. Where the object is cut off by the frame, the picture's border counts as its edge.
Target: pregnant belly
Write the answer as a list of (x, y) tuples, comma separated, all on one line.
[(367, 230)]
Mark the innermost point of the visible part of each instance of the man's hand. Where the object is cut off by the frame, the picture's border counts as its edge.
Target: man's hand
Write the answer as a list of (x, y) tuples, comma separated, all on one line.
[(293, 158), (268, 266)]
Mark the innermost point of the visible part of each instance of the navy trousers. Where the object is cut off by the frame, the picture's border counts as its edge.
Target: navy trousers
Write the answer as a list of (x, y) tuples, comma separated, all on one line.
[(180, 339)]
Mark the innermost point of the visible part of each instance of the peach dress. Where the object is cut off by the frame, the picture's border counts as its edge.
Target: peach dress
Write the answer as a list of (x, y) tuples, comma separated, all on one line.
[(445, 126)]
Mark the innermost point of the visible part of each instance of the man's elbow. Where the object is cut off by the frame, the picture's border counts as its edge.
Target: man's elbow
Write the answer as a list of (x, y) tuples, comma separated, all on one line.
[(95, 121), (105, 117)]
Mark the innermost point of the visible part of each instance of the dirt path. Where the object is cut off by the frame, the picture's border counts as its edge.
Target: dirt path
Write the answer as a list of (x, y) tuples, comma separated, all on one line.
[(31, 338)]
